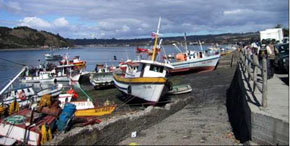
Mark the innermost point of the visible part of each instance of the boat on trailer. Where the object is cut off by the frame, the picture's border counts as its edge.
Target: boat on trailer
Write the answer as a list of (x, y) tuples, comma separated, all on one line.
[(147, 81)]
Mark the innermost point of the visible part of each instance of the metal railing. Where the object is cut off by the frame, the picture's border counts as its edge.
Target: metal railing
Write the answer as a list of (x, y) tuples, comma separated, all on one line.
[(251, 66)]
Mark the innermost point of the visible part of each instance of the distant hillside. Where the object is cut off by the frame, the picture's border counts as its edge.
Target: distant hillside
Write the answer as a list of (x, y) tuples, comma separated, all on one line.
[(228, 38), (25, 37)]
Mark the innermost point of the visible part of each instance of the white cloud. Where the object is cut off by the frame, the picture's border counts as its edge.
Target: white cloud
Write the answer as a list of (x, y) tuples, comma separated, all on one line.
[(60, 22), (34, 22), (131, 18), (39, 23), (230, 12)]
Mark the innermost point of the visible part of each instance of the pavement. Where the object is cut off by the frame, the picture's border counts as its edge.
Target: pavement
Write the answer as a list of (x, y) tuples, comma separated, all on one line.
[(277, 97)]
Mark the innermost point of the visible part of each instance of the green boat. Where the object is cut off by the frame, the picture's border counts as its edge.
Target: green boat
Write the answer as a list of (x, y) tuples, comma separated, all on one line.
[(180, 89)]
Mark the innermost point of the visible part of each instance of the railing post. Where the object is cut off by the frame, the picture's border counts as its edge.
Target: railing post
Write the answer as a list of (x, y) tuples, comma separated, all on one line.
[(249, 66), (255, 62), (232, 59), (265, 88), (245, 60)]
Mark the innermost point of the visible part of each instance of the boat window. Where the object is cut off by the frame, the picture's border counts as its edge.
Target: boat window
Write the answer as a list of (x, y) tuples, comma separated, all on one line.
[(156, 68)]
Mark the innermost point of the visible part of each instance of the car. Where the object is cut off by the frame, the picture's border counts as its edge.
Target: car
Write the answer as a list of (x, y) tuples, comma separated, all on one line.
[(281, 62)]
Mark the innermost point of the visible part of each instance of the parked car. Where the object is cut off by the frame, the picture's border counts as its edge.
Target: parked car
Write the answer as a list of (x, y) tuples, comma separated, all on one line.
[(281, 62)]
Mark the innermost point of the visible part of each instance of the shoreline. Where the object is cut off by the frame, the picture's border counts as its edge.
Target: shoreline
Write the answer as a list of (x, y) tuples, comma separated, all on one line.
[(22, 49)]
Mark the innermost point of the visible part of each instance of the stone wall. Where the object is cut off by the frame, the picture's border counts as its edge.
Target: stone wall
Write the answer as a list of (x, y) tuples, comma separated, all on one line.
[(114, 130), (248, 122), (238, 110)]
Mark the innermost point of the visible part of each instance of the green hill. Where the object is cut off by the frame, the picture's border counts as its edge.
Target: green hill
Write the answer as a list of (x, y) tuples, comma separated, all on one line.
[(25, 37)]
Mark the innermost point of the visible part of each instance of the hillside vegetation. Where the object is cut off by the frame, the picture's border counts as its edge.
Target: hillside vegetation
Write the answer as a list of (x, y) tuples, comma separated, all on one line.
[(227, 38), (25, 37)]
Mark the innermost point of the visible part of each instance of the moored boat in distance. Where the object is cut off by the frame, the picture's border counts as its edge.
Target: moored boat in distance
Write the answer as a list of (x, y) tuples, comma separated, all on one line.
[(195, 61), (52, 57), (147, 81)]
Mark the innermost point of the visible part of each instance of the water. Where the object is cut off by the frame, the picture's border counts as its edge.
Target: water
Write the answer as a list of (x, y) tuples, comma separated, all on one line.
[(93, 56)]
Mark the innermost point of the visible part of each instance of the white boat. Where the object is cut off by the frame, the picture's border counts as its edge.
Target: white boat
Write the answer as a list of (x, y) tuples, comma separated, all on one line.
[(52, 57), (103, 76), (66, 73), (23, 96), (43, 76), (146, 82), (196, 61), (53, 91)]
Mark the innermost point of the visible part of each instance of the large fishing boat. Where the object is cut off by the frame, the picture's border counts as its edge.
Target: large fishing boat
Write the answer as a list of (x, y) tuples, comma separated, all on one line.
[(147, 81), (195, 61)]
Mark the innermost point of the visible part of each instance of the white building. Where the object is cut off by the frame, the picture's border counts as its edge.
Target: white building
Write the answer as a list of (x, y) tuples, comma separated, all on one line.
[(273, 33)]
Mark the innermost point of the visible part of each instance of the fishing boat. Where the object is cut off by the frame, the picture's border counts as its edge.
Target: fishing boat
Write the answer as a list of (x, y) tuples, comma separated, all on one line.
[(76, 61), (26, 128), (53, 91), (40, 77), (65, 73), (52, 57), (23, 96), (195, 61), (147, 81), (103, 77)]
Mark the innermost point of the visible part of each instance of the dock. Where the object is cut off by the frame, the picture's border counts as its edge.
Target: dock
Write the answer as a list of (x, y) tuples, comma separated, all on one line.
[(258, 106)]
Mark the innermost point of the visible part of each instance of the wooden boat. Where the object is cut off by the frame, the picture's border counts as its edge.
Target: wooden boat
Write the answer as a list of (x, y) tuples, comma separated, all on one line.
[(180, 89), (147, 80), (98, 111), (99, 80), (23, 131), (195, 61)]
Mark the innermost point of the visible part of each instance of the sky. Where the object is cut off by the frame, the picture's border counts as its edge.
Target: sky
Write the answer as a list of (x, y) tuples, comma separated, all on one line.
[(122, 19)]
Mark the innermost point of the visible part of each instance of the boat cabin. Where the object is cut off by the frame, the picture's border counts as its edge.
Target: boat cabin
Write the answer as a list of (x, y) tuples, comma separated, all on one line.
[(147, 68)]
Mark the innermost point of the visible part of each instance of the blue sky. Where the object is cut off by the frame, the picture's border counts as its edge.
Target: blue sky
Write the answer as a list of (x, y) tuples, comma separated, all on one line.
[(138, 18)]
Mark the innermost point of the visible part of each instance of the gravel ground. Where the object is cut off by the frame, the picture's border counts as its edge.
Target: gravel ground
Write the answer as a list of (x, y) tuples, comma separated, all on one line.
[(204, 121)]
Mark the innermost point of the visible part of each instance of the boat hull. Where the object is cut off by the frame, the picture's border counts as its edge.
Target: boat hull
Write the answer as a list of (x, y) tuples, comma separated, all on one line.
[(147, 91), (202, 65)]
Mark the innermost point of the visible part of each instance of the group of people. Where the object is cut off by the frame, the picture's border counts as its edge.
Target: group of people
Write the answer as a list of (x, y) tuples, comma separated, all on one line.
[(264, 49)]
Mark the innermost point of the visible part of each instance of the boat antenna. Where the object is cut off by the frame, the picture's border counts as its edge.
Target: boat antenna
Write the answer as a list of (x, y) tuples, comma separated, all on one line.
[(156, 40), (185, 43)]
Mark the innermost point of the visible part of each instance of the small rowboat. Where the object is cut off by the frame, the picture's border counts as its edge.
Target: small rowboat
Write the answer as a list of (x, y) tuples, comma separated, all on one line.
[(180, 89), (98, 111)]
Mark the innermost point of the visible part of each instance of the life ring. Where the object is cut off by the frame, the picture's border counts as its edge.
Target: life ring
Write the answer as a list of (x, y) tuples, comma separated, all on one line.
[(21, 96)]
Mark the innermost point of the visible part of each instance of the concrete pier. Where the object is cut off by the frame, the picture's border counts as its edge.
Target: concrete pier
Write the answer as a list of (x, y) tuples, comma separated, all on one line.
[(251, 122), (270, 125)]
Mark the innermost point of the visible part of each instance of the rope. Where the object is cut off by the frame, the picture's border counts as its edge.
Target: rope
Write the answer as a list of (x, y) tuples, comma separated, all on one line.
[(16, 119), (84, 92), (13, 62)]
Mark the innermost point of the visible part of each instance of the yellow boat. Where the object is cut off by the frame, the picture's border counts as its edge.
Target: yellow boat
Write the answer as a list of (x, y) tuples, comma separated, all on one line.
[(98, 111)]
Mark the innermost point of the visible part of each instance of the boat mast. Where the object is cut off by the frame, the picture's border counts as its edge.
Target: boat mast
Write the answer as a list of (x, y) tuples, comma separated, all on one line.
[(156, 40), (185, 42), (200, 45)]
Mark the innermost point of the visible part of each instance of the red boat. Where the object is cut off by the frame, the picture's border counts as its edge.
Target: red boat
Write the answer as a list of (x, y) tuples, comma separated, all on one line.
[(17, 127)]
